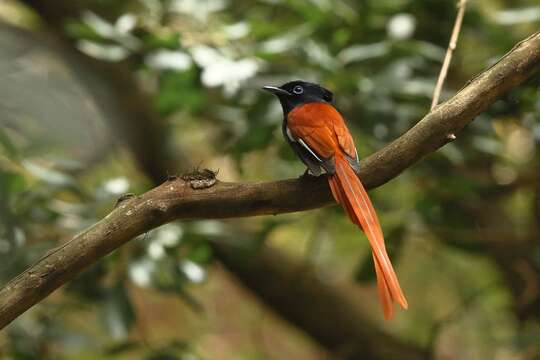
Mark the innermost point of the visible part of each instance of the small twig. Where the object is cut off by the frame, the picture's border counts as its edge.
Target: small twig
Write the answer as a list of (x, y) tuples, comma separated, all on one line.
[(448, 57)]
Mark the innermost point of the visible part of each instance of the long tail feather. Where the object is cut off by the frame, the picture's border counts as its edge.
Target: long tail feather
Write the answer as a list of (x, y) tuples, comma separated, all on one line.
[(350, 193), (384, 293)]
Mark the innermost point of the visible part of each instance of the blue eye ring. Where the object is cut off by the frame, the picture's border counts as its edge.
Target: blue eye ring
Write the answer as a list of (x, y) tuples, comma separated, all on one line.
[(298, 90)]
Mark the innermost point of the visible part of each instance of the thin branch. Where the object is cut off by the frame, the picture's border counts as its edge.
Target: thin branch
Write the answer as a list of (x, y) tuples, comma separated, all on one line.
[(175, 199), (462, 4)]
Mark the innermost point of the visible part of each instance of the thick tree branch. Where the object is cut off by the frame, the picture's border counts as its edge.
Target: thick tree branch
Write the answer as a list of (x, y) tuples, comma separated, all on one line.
[(176, 199), (297, 292)]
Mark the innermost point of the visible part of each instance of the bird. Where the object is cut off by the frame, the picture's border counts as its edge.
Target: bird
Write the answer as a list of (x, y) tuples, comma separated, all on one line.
[(319, 136)]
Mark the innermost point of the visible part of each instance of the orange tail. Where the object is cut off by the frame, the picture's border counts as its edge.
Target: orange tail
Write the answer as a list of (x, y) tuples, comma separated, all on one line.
[(350, 193)]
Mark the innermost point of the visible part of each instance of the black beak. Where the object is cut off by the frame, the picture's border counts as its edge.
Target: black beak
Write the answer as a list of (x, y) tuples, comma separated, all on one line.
[(276, 90)]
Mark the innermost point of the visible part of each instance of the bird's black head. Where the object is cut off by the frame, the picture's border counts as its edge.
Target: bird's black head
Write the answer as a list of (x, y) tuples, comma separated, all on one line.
[(298, 92)]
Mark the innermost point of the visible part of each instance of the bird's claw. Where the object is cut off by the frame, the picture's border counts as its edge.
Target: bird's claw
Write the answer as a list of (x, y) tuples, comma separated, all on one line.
[(308, 175)]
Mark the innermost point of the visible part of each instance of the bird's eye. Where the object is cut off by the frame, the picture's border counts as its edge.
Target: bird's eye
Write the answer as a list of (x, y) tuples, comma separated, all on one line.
[(298, 90)]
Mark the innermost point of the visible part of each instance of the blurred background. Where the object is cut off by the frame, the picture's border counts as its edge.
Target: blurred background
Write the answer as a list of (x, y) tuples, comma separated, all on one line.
[(99, 98)]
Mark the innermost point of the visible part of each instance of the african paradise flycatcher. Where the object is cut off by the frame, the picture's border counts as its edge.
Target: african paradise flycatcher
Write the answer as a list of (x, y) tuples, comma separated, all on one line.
[(319, 136)]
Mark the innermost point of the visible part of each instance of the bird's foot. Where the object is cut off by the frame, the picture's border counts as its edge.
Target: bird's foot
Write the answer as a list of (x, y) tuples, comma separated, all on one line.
[(308, 175)]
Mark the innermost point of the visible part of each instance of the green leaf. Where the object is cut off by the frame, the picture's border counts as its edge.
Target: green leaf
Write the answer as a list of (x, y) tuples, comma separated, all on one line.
[(200, 254), (179, 90), (79, 30), (169, 41), (11, 184)]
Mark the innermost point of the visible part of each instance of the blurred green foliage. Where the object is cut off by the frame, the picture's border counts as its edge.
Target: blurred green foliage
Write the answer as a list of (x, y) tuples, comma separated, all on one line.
[(462, 226)]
